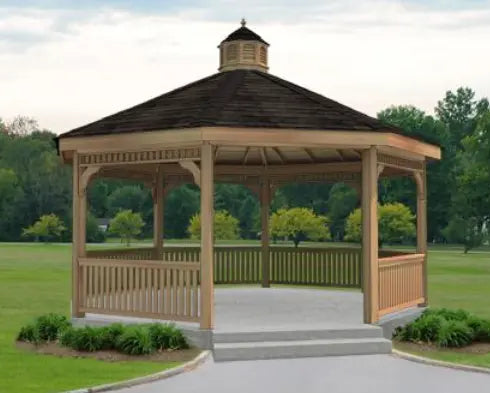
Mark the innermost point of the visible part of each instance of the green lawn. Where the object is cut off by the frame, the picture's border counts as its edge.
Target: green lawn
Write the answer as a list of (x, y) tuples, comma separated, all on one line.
[(35, 279), (471, 359)]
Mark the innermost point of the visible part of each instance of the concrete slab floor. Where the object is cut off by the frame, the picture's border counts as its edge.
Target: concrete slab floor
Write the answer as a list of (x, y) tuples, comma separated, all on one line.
[(249, 308)]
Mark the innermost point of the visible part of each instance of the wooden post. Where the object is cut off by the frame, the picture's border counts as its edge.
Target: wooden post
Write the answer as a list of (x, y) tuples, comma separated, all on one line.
[(207, 236), (370, 234), (158, 205), (75, 291), (421, 181), (265, 197)]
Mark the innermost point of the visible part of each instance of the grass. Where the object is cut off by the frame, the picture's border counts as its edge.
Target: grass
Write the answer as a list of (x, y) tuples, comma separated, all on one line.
[(447, 355), (35, 279)]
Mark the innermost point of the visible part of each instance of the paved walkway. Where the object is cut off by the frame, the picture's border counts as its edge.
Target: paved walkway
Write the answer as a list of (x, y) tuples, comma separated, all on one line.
[(356, 374)]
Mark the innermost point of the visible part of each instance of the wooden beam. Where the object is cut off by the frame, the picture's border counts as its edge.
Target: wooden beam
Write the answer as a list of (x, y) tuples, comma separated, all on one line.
[(265, 199), (339, 153), (245, 156), (192, 167), (263, 156), (370, 235), (207, 237), (310, 155), (280, 155), (216, 152), (75, 280), (421, 181)]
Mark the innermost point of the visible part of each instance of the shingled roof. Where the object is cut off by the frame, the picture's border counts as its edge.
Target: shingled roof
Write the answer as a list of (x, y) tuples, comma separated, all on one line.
[(244, 33), (239, 98)]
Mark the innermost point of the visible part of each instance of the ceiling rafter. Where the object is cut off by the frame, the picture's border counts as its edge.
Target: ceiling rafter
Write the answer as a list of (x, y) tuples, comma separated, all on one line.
[(310, 155), (245, 156), (280, 155), (263, 155)]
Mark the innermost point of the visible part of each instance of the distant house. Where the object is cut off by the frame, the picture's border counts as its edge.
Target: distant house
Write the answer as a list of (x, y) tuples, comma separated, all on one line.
[(103, 223)]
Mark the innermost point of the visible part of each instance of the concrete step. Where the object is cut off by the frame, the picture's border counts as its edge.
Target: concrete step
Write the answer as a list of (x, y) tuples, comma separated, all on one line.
[(348, 332), (299, 348)]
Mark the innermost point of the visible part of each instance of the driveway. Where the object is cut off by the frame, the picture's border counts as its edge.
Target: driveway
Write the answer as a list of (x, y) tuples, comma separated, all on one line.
[(356, 374)]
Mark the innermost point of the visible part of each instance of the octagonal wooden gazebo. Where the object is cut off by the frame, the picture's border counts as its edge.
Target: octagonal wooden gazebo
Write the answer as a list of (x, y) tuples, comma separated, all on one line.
[(241, 125)]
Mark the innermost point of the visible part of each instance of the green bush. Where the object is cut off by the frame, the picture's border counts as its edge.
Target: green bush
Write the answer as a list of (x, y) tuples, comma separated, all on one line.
[(84, 339), (480, 327), (28, 333), (449, 315), (110, 334), (446, 328), (45, 328), (135, 340), (166, 336), (132, 340), (454, 334)]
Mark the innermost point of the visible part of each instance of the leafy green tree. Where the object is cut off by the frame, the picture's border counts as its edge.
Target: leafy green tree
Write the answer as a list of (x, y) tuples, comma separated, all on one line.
[(225, 226), (127, 225), (180, 205), (465, 231), (471, 199), (47, 228), (417, 123), (299, 224), (127, 197), (341, 201), (395, 223), (94, 233)]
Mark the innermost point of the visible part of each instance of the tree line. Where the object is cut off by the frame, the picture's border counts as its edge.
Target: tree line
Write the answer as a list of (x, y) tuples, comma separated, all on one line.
[(33, 182)]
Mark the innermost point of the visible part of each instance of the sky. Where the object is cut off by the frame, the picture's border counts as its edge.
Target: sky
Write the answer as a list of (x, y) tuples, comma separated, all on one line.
[(67, 63)]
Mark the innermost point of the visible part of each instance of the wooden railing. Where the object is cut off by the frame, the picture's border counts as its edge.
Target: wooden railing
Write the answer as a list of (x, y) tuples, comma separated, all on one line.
[(400, 282), (142, 288), (143, 253), (243, 264), (339, 267)]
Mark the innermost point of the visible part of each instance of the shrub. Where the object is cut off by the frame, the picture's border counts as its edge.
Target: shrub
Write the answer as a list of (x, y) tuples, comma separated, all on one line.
[(110, 334), (449, 315), (83, 339), (454, 334), (135, 340), (45, 328), (28, 333), (166, 336), (427, 328), (68, 337), (50, 326), (480, 327)]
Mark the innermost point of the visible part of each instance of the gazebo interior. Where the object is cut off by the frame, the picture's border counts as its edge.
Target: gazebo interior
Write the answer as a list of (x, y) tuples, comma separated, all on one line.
[(244, 126)]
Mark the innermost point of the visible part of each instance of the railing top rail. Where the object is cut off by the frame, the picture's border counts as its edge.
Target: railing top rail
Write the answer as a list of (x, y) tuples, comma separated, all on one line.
[(401, 258), (139, 263)]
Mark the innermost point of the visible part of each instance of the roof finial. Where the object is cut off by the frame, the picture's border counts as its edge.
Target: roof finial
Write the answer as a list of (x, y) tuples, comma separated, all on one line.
[(243, 22)]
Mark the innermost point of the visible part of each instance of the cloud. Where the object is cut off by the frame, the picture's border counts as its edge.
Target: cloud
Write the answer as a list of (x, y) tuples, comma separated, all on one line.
[(67, 67)]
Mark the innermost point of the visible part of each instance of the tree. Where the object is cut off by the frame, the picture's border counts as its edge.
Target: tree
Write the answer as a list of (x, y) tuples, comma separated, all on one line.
[(225, 226), (299, 223), (464, 231), (22, 126), (395, 223), (48, 227), (126, 224), (341, 201), (471, 199)]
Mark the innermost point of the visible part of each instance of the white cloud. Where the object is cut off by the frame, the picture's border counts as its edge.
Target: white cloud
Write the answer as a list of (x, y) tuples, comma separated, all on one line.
[(66, 68)]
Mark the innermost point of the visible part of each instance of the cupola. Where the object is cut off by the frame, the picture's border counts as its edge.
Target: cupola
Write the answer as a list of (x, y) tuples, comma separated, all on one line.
[(243, 49)]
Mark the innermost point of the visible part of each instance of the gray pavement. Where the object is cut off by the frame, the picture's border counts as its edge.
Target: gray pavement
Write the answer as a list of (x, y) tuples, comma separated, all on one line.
[(241, 308), (359, 374)]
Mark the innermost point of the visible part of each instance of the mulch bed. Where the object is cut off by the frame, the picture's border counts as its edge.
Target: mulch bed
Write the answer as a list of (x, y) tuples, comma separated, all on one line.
[(475, 348), (181, 355)]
